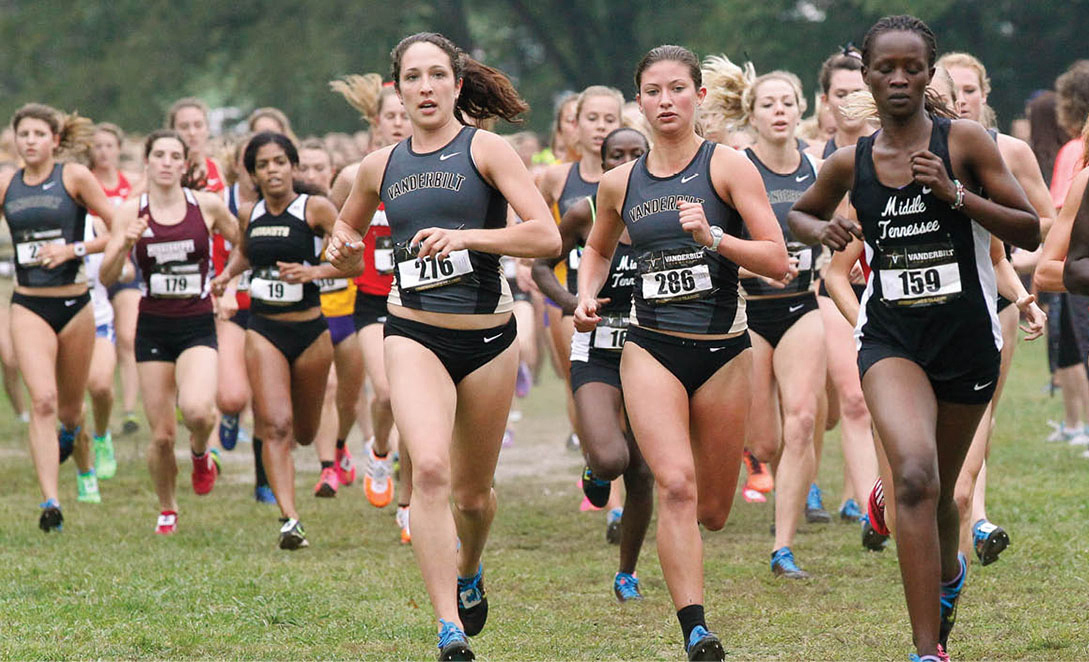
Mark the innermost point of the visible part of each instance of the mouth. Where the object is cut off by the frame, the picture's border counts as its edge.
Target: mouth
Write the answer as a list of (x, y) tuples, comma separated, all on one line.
[(428, 105), (667, 116), (780, 126)]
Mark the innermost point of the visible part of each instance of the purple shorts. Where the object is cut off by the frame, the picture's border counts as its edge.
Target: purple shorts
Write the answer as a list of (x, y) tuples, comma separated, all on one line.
[(340, 328)]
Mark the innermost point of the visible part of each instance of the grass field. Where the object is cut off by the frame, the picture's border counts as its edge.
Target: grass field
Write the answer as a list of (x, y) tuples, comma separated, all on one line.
[(107, 588)]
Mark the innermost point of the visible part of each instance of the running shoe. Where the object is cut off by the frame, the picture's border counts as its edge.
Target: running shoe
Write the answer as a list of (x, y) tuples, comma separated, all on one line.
[(167, 523), (949, 595), (613, 519), (927, 658), (626, 587), (402, 522), (87, 488), (105, 460), (292, 536), (228, 431), (205, 469), (263, 494), (814, 507), (524, 381), (51, 518), (1059, 432), (595, 489), (1080, 439), (473, 602), (752, 496), (573, 443), (783, 565), (453, 645), (327, 483), (989, 541), (849, 511), (871, 539), (377, 482), (875, 508), (345, 466), (760, 479), (130, 425), (66, 441), (702, 645)]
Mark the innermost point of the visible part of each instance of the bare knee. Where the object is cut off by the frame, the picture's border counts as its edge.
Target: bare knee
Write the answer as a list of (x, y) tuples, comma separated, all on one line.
[(277, 430), (712, 516), (473, 504), (430, 476), (162, 441), (606, 463), (916, 484), (198, 416), (853, 407), (677, 490), (798, 427)]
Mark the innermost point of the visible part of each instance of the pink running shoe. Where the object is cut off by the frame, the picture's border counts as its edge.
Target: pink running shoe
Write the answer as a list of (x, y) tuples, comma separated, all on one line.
[(327, 484), (345, 466), (205, 471), (168, 523)]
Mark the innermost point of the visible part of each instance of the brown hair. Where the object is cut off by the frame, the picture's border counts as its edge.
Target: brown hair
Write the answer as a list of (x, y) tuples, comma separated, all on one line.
[(366, 93), (848, 59), (185, 102), (600, 91), (1073, 90), (276, 114), (111, 128), (76, 133), (1046, 137), (669, 53), (731, 90), (1085, 145), (486, 92)]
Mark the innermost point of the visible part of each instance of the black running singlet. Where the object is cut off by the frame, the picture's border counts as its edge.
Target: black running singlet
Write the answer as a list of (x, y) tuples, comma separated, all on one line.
[(443, 189), (40, 215), (681, 286), (575, 188), (285, 237)]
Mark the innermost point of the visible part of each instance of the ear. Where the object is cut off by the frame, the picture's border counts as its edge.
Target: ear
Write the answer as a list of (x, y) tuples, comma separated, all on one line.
[(701, 94), (457, 89), (930, 74)]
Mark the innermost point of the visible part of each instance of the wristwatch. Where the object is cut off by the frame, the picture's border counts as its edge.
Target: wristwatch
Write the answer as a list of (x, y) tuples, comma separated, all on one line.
[(716, 238), (80, 249)]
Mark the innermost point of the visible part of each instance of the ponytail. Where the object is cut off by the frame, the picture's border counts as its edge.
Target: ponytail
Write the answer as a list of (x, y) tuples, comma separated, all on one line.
[(729, 88), (860, 105), (362, 92)]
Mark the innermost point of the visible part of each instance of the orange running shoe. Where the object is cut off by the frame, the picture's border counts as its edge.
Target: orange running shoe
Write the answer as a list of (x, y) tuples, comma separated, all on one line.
[(378, 481), (760, 479), (402, 521)]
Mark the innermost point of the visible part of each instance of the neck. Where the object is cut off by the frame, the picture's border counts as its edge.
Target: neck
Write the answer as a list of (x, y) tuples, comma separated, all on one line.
[(845, 137), (779, 155), (107, 175), (905, 131), (40, 170), (279, 202), (590, 166), (164, 195), (432, 138), (673, 152)]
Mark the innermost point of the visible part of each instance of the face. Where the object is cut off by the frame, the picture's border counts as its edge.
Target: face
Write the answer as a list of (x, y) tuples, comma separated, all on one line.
[(427, 86), (35, 140), (267, 123), (569, 123), (898, 72), (166, 161), (668, 97), (600, 115), (105, 150), (970, 97), (392, 125), (273, 172), (316, 168), (191, 123), (842, 83), (625, 146), (826, 121), (775, 113)]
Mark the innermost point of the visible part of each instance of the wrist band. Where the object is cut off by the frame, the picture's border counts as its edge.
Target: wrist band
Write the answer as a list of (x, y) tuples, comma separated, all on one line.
[(959, 203)]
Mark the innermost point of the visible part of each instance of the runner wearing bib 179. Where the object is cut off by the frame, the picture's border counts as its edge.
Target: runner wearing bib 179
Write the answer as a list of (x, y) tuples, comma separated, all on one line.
[(169, 231), (685, 367), (607, 442), (45, 204), (928, 332), (449, 336), (288, 350)]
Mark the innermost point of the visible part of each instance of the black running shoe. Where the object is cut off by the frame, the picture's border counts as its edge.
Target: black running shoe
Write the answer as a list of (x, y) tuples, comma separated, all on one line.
[(702, 645), (871, 539), (989, 540), (292, 536), (473, 602), (51, 518), (596, 490), (66, 442), (452, 643)]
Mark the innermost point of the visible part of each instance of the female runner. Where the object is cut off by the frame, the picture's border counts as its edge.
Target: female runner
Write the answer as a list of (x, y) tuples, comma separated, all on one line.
[(46, 203), (685, 367), (288, 350), (169, 230), (450, 354), (103, 361), (928, 333), (607, 443)]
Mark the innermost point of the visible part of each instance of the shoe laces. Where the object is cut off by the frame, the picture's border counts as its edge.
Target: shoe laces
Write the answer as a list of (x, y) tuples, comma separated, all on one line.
[(449, 634), (469, 592), (627, 585), (50, 503), (784, 558), (698, 634), (813, 499), (380, 468)]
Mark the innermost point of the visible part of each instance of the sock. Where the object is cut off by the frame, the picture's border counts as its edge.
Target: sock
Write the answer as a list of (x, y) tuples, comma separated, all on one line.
[(259, 464), (690, 617), (340, 444), (327, 464), (85, 474), (196, 455), (100, 437), (380, 456), (402, 505)]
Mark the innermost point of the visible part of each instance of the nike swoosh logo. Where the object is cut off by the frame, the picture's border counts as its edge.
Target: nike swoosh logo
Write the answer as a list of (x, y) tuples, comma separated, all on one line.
[(147, 233), (685, 180), (443, 157), (493, 338), (926, 190), (980, 387), (802, 178), (69, 302), (48, 185), (795, 309), (716, 349)]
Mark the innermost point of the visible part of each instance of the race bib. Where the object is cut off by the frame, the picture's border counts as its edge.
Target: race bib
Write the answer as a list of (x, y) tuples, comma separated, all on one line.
[(924, 275), (574, 258), (176, 281), (330, 285), (610, 333), (674, 275), (414, 273), (383, 255), (265, 285), (28, 248)]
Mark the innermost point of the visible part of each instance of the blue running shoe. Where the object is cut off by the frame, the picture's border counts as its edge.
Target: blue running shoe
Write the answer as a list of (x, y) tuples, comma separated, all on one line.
[(925, 658), (989, 540), (849, 511), (595, 489), (949, 596), (613, 520), (263, 494), (871, 539), (473, 602), (702, 645), (626, 587), (814, 507), (51, 518), (228, 431), (783, 565), (452, 643), (66, 440)]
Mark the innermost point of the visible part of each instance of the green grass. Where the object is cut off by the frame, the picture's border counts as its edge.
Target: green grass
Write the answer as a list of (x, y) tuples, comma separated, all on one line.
[(107, 588)]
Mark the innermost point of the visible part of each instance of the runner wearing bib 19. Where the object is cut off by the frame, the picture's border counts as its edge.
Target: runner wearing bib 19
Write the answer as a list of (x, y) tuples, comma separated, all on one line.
[(288, 350), (607, 443), (45, 204), (169, 231), (685, 367), (928, 333), (449, 336)]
